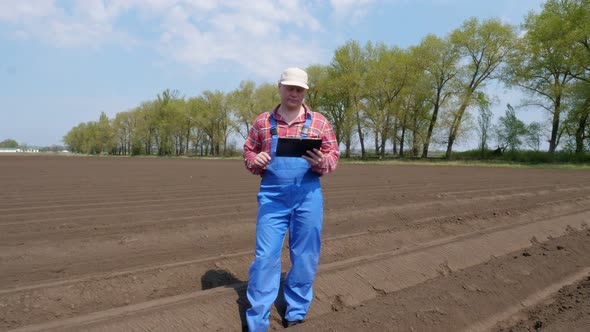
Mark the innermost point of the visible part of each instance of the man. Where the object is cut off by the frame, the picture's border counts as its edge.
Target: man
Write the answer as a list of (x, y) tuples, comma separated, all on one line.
[(290, 198)]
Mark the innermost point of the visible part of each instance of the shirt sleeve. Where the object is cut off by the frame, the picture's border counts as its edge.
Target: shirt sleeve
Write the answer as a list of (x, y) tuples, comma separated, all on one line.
[(253, 145), (329, 148)]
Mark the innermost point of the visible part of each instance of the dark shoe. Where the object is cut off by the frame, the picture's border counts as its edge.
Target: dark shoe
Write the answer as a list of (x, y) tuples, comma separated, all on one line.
[(288, 324)]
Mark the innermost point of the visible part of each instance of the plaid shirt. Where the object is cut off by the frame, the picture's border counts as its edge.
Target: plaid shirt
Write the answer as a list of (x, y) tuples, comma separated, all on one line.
[(259, 139)]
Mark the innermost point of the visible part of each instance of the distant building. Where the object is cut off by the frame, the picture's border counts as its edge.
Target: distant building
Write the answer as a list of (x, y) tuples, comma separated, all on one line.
[(10, 150), (15, 150)]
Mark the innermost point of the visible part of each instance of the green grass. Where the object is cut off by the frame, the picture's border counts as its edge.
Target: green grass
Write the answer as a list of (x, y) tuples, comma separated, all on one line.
[(465, 163), (516, 159)]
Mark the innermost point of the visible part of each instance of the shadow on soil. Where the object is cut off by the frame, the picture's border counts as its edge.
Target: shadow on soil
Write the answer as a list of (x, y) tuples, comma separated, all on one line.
[(223, 278)]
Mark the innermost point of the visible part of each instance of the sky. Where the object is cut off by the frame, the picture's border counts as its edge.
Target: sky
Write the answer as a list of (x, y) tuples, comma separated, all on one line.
[(63, 62)]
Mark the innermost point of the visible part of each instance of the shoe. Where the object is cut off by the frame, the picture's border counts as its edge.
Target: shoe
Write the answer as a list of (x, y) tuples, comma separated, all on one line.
[(292, 323)]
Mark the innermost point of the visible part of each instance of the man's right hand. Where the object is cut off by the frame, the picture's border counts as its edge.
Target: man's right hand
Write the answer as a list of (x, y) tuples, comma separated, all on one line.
[(262, 160)]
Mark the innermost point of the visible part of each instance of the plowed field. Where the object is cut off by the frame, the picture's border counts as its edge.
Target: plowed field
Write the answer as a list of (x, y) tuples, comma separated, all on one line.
[(148, 244)]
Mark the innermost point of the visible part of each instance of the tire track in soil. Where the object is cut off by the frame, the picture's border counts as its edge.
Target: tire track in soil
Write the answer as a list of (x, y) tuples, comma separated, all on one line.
[(45, 300), (109, 245), (343, 283), (480, 297)]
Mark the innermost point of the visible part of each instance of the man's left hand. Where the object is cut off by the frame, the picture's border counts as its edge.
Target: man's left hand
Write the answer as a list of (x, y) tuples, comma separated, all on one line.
[(314, 157)]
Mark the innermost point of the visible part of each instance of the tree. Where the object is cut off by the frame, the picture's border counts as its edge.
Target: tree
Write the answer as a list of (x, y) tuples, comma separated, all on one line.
[(545, 63), (439, 59), (484, 121), (510, 129), (577, 123), (484, 47), (122, 133), (248, 101), (415, 105), (348, 68), (215, 120), (8, 143), (317, 76), (198, 137), (243, 105), (533, 134), (387, 74), (333, 104), (105, 134)]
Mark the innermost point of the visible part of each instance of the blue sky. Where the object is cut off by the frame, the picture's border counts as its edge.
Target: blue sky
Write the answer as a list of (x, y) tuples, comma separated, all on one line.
[(63, 62)]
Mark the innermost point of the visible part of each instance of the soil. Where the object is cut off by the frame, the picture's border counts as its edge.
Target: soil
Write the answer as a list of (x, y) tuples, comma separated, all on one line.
[(154, 244)]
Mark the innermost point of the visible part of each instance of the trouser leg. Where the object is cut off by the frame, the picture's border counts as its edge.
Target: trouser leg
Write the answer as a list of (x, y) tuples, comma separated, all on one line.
[(265, 271), (304, 242)]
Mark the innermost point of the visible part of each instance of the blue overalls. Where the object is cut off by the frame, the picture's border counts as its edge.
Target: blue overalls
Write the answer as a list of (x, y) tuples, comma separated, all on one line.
[(290, 198)]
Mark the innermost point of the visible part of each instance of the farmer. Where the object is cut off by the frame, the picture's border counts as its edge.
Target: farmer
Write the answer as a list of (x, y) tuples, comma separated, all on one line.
[(290, 198)]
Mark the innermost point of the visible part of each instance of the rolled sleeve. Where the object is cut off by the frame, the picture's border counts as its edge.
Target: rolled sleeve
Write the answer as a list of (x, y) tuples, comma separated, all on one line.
[(329, 149)]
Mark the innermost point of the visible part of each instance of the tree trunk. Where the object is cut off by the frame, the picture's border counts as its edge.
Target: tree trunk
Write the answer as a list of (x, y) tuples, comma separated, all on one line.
[(394, 138), (431, 126), (401, 141), (582, 123), (456, 125), (360, 132), (555, 125), (377, 147)]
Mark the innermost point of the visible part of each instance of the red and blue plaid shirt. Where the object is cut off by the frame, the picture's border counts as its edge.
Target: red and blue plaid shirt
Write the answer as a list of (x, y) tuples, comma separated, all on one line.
[(259, 139)]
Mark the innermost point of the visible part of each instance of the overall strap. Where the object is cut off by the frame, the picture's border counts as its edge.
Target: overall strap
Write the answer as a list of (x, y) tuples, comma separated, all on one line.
[(273, 125), (304, 130), (307, 124)]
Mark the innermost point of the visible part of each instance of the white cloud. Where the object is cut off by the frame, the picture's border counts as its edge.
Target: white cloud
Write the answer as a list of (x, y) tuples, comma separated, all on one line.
[(19, 11), (352, 10), (252, 38), (262, 35)]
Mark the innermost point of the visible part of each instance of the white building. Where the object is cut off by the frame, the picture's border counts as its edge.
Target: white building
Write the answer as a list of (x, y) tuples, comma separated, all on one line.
[(10, 150)]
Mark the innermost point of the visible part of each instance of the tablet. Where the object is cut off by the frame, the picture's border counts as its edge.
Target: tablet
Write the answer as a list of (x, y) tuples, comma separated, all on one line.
[(296, 147)]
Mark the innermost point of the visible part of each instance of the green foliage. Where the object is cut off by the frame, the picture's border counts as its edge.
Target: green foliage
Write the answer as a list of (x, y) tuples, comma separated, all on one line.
[(8, 143), (550, 57), (511, 130), (526, 157), (484, 121), (484, 47)]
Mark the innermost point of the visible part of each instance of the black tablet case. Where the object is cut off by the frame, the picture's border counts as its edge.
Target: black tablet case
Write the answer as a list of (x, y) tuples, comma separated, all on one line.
[(296, 147)]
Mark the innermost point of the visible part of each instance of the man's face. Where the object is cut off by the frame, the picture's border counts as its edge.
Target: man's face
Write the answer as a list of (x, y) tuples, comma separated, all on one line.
[(291, 95)]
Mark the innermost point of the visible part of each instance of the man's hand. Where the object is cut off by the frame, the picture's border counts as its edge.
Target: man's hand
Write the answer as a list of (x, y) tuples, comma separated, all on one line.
[(262, 160), (314, 157)]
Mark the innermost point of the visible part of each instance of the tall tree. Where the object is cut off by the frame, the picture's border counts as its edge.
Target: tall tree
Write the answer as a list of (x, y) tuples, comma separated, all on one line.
[(484, 47), (484, 121), (121, 133), (439, 59), (243, 105), (348, 67), (387, 74), (577, 122), (317, 75), (105, 134), (545, 64), (332, 103), (248, 101), (534, 132), (215, 120), (510, 130)]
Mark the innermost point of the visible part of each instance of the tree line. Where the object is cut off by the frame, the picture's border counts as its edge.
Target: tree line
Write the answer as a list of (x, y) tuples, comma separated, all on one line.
[(381, 97)]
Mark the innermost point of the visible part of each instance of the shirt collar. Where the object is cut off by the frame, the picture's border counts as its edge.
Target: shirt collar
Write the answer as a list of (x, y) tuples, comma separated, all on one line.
[(305, 109)]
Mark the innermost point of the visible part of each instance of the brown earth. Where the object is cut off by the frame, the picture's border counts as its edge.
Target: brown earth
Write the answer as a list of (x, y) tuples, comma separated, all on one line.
[(147, 244)]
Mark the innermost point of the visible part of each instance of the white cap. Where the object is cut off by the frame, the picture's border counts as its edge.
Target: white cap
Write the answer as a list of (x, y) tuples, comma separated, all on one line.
[(294, 76)]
